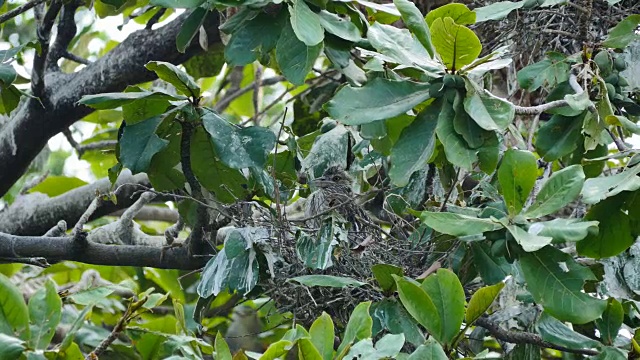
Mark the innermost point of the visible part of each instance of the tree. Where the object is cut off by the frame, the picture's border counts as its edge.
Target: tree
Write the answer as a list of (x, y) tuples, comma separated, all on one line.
[(210, 120)]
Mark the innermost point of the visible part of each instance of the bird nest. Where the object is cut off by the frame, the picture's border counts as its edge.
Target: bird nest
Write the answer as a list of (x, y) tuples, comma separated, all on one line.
[(306, 303)]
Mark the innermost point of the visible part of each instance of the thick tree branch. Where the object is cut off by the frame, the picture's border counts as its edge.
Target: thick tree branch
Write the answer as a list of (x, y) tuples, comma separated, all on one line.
[(19, 10), (35, 214), (56, 249), (31, 126)]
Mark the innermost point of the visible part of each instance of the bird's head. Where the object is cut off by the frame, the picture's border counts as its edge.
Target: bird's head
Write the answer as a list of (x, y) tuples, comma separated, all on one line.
[(332, 177)]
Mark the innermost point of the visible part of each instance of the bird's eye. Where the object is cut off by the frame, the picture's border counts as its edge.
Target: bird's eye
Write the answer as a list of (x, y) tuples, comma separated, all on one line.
[(336, 178)]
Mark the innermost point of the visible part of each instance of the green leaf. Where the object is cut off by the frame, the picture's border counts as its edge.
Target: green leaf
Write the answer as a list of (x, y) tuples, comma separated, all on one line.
[(447, 295), (294, 58), (624, 33), (177, 4), (389, 315), (307, 350), (384, 276), (560, 189), (327, 281), (168, 280), (57, 185), (419, 304), (517, 175), (322, 334), (457, 45), (14, 315), (415, 145), (496, 11), (458, 224), (611, 321), (342, 28), (254, 39), (45, 311), (236, 147), (492, 268), (317, 252), (555, 280), (92, 295), (481, 300), (564, 230), (11, 347), (559, 137), (489, 112), (67, 342), (226, 183), (398, 46), (547, 71), (358, 327), (9, 99), (459, 13), (455, 147), (139, 143), (190, 28), (7, 75), (558, 333), (277, 349), (170, 73), (414, 21), (222, 349), (611, 353), (597, 189), (614, 231), (114, 100), (429, 351), (306, 23), (529, 242), (377, 100)]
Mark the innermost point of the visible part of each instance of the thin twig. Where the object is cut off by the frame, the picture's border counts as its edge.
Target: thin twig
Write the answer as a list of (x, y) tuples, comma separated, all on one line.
[(227, 99), (73, 57), (19, 10)]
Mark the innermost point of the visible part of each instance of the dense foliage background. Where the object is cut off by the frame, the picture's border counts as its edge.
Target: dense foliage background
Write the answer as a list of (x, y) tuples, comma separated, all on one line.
[(494, 144)]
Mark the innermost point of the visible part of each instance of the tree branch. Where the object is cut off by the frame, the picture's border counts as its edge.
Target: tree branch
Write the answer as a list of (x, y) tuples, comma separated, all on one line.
[(19, 10), (31, 126), (521, 337), (56, 249)]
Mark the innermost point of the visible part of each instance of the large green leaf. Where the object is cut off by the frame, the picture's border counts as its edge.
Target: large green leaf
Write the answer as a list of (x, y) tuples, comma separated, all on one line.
[(317, 253), (222, 348), (14, 315), (481, 300), (306, 23), (458, 224), (139, 143), (419, 304), (412, 18), (429, 351), (238, 147), (556, 332), (565, 230), (549, 72), (455, 147), (528, 241), (457, 45), (489, 112), (555, 280), (497, 11), (114, 100), (398, 46), (559, 136), (384, 276), (611, 321), (57, 185), (448, 298), (390, 315), (190, 28), (163, 171), (322, 334), (254, 39), (358, 327), (9, 99), (517, 175), (294, 57), (560, 189), (342, 28), (377, 100), (614, 230), (170, 73), (597, 189), (45, 311), (492, 268), (415, 145), (7, 75), (624, 33), (11, 347)]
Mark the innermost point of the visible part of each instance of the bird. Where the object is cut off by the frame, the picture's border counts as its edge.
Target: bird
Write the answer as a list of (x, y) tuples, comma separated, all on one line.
[(334, 193)]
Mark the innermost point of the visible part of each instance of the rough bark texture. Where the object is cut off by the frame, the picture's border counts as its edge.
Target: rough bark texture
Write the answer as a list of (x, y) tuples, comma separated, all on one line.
[(35, 214), (35, 122)]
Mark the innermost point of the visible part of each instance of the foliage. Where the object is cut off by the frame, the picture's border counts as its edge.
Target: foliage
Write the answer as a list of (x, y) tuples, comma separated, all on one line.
[(548, 227)]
